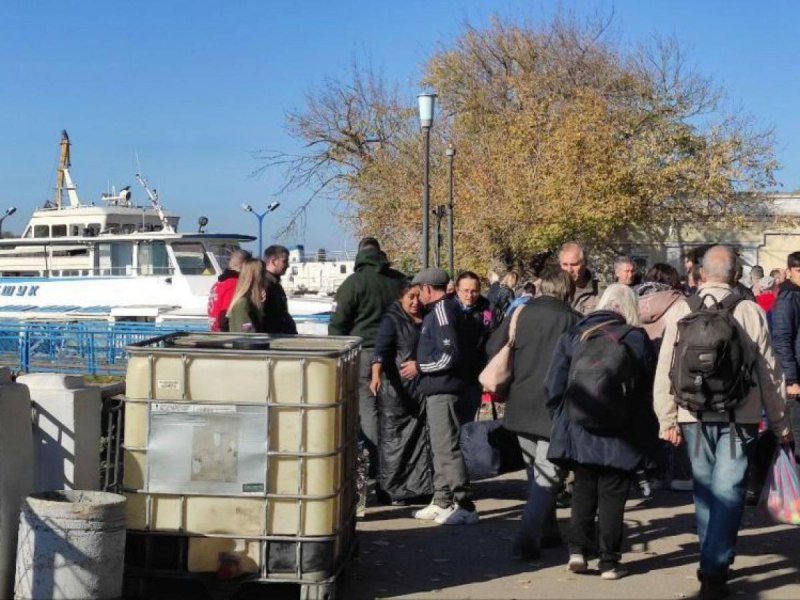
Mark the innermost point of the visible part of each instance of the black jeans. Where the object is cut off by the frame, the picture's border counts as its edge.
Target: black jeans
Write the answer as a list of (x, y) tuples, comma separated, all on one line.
[(600, 491)]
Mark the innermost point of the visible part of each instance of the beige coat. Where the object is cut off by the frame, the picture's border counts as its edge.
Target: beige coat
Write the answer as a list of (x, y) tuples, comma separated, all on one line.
[(768, 391)]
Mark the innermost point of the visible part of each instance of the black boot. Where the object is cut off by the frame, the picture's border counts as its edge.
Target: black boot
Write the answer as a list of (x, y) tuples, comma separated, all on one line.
[(713, 586)]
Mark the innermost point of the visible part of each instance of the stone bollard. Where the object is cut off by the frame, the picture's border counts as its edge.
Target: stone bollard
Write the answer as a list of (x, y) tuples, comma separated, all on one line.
[(71, 546), (16, 471), (66, 431)]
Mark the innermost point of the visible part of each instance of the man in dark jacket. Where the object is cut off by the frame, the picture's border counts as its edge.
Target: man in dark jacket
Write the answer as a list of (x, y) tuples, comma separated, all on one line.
[(538, 328), (276, 308), (786, 339), (475, 320), (442, 382), (361, 302)]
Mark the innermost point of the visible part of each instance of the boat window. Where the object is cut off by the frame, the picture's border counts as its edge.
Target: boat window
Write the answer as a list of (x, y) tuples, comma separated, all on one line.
[(28, 232), (222, 253), (113, 227), (192, 259), (94, 228), (59, 231), (115, 258), (75, 230), (41, 231), (153, 259), (343, 269)]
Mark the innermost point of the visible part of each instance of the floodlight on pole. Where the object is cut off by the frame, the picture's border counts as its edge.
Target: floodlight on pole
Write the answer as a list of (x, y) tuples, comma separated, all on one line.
[(260, 218)]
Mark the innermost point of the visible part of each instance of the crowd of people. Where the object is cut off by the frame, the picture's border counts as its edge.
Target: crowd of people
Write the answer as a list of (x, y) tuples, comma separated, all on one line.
[(658, 380)]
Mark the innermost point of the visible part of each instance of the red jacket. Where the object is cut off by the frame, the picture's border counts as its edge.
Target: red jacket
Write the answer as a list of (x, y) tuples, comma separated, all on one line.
[(219, 300), (766, 300)]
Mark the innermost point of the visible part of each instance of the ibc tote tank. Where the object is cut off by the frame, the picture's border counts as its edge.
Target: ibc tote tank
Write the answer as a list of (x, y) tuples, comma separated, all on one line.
[(239, 453)]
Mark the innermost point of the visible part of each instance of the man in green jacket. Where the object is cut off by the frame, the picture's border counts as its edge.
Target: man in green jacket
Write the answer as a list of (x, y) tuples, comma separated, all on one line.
[(361, 302)]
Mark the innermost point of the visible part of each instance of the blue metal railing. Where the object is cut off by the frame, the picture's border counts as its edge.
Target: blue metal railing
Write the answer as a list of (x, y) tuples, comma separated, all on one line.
[(88, 347)]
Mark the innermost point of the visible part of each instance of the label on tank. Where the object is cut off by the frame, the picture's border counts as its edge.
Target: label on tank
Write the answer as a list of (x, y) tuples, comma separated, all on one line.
[(169, 384), (207, 449)]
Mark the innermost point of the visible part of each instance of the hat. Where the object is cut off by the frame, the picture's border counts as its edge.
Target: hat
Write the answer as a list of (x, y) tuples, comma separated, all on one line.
[(766, 282), (432, 276)]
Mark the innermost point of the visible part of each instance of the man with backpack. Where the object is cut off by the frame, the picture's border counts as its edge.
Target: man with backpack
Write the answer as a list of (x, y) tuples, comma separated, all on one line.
[(716, 372)]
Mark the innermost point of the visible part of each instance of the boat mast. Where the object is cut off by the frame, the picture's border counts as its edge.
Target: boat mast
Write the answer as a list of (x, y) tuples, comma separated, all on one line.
[(153, 195), (63, 165)]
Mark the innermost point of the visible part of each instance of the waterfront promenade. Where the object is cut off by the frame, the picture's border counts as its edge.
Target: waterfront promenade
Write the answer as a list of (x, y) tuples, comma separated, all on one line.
[(403, 558)]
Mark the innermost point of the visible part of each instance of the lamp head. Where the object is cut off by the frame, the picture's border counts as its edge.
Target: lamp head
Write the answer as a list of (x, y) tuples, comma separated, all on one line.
[(11, 210), (427, 103), (247, 208), (273, 206)]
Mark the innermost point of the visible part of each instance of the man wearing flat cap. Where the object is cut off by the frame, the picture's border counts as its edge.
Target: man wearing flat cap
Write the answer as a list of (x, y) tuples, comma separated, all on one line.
[(443, 382)]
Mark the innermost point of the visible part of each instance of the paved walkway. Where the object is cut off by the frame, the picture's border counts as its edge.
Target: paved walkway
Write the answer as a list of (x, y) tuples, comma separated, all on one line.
[(403, 558)]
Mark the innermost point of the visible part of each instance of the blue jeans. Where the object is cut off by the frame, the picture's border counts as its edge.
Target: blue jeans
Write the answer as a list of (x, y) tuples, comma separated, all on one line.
[(720, 483), (544, 479)]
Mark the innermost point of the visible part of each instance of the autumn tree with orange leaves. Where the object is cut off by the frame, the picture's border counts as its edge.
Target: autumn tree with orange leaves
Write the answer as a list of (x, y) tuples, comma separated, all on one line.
[(561, 133)]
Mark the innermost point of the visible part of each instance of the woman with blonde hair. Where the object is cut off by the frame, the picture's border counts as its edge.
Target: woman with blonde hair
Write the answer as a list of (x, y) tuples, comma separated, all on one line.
[(600, 385), (246, 314)]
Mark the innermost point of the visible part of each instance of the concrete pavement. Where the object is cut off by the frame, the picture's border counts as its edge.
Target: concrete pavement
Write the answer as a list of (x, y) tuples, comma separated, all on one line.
[(403, 558)]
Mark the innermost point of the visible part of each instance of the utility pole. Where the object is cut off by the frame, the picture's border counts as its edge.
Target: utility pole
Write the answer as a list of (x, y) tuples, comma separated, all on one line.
[(451, 154)]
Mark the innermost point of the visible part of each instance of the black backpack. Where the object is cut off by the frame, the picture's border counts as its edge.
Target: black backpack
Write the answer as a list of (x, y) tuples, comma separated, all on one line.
[(602, 377), (711, 367)]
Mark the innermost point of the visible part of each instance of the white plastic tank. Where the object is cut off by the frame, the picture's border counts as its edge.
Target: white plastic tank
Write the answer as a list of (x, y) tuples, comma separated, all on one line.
[(71, 546), (16, 471), (66, 431)]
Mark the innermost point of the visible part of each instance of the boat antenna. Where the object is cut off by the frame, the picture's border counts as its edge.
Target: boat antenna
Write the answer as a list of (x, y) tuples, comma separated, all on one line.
[(153, 196)]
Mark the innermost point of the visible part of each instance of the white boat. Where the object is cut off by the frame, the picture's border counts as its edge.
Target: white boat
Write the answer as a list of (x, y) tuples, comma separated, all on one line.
[(118, 261)]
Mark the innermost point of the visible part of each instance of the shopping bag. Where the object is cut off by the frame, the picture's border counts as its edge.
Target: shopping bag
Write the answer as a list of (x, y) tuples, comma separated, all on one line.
[(781, 495)]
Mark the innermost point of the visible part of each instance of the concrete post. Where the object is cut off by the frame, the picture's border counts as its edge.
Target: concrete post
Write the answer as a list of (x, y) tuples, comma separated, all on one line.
[(66, 431)]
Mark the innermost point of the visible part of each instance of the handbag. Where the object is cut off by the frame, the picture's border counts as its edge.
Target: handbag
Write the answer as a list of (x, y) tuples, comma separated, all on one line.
[(497, 374)]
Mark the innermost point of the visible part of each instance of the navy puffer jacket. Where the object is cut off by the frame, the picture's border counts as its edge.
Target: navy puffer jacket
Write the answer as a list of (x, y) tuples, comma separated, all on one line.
[(785, 325), (572, 444)]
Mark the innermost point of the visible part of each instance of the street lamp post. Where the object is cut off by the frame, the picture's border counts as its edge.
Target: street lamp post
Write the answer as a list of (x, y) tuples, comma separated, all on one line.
[(438, 212), (451, 154), (260, 217), (9, 211), (426, 107)]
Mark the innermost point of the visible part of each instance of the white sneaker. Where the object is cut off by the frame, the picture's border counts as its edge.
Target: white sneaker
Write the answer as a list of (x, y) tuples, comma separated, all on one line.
[(614, 573), (455, 515), (429, 513), (681, 485), (577, 563)]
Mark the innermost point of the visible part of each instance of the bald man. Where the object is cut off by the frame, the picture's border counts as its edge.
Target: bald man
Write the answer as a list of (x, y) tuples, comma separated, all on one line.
[(573, 260), (721, 444)]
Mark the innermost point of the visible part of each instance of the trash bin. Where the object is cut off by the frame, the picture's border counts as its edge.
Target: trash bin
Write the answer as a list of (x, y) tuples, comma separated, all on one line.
[(71, 546), (239, 456)]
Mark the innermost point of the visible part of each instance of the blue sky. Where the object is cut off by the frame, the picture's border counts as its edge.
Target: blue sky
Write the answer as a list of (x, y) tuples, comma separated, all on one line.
[(194, 86)]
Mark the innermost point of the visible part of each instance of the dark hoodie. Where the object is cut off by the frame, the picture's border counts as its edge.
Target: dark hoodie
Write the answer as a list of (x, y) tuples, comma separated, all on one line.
[(363, 298), (785, 327)]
